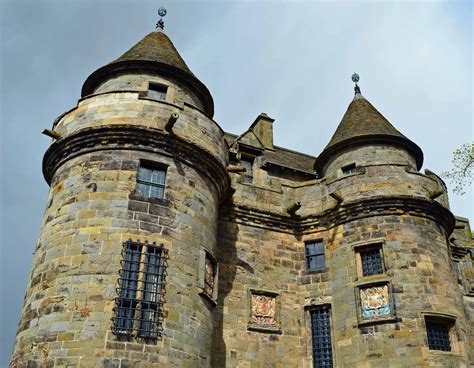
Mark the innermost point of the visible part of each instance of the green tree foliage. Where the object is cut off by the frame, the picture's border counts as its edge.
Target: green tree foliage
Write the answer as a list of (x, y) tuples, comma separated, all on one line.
[(462, 171)]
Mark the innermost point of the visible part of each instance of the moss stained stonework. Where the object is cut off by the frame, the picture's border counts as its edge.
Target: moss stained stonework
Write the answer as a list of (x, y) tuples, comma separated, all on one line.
[(236, 218)]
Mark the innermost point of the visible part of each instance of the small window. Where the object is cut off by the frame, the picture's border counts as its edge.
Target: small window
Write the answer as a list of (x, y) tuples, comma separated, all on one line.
[(157, 91), (315, 255), (151, 180), (439, 331), (349, 169), (247, 163), (321, 337), (371, 261), (138, 306)]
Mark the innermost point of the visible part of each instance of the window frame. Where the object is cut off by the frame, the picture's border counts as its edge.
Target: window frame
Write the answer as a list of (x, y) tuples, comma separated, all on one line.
[(450, 322), (155, 87), (135, 307), (349, 169), (247, 176), (362, 247), (153, 166), (310, 310), (307, 256)]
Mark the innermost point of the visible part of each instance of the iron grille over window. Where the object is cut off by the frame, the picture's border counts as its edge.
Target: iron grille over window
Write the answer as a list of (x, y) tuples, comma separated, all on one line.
[(151, 181), (371, 262), (138, 306), (321, 337), (157, 91), (315, 255), (438, 335)]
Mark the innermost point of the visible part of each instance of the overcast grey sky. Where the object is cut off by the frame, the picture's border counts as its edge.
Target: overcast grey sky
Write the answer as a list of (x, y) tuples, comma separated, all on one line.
[(292, 60)]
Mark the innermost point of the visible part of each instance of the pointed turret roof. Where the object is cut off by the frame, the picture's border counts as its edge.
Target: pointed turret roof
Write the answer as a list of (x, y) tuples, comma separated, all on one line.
[(364, 124), (156, 47), (154, 52)]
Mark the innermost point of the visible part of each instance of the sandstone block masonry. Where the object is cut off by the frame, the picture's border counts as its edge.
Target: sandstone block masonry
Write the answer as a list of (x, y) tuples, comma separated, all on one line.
[(167, 242)]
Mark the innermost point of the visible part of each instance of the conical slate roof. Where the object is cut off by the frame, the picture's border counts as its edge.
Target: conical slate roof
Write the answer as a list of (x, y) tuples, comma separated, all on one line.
[(156, 53), (364, 124), (156, 47)]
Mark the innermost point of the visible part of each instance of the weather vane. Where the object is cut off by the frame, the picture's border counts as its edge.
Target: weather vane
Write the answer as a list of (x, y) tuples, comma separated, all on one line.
[(160, 23), (355, 79)]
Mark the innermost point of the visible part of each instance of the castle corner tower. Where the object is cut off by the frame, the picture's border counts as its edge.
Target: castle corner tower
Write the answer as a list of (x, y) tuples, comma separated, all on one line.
[(136, 171)]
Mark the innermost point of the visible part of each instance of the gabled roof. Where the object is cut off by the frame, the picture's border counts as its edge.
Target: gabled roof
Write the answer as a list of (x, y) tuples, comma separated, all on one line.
[(364, 124), (157, 53)]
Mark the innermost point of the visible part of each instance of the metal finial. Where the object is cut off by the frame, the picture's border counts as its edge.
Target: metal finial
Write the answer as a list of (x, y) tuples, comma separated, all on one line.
[(355, 79), (160, 23)]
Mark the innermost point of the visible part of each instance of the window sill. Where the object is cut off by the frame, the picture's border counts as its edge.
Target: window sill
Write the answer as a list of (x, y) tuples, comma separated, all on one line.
[(160, 201), (445, 353), (372, 280), (316, 271)]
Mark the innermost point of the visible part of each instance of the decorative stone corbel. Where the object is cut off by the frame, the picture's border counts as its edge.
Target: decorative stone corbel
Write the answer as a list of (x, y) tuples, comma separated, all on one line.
[(291, 210), (337, 196)]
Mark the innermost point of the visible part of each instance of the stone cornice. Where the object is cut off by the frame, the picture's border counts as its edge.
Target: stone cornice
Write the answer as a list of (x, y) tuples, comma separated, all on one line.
[(129, 137), (363, 208)]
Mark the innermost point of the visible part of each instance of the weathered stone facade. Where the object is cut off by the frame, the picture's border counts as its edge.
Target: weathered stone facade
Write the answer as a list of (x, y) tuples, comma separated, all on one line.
[(237, 216)]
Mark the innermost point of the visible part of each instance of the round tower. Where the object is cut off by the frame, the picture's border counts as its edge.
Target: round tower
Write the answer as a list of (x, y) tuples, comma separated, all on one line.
[(124, 266), (394, 292)]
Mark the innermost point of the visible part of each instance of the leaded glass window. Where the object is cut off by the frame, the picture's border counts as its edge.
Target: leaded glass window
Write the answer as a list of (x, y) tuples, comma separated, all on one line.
[(371, 260), (138, 306), (151, 181), (321, 337), (315, 255), (438, 335)]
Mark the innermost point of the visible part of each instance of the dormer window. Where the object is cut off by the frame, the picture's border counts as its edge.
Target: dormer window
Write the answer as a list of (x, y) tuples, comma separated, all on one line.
[(157, 91), (349, 169)]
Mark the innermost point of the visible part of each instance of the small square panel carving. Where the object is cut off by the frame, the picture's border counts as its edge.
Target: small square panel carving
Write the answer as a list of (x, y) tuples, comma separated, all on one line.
[(209, 276), (264, 313), (375, 302)]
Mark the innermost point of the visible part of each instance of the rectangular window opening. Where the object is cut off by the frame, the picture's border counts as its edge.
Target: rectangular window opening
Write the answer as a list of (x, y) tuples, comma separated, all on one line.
[(321, 337), (349, 169), (371, 261), (157, 91), (247, 163), (151, 180), (439, 331), (138, 306), (314, 255)]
